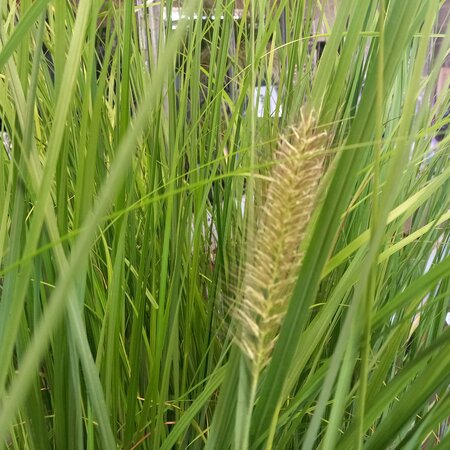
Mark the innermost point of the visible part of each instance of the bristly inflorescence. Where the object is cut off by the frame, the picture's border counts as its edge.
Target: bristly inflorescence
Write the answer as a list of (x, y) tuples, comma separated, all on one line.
[(275, 257)]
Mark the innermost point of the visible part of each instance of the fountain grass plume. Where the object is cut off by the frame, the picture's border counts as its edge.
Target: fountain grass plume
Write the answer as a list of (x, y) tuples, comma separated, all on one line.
[(275, 256)]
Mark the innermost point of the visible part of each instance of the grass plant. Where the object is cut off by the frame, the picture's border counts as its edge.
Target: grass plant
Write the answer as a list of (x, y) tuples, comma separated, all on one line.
[(138, 180)]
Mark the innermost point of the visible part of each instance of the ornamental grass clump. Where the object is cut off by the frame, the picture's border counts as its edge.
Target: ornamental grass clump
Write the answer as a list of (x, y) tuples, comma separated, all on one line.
[(126, 148)]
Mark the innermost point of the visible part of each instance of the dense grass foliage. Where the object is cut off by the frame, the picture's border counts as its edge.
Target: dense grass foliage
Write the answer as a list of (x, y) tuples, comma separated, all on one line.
[(139, 176)]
